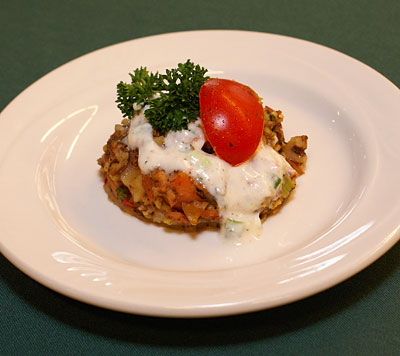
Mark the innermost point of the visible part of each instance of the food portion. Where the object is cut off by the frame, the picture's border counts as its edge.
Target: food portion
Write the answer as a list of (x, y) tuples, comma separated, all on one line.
[(195, 151)]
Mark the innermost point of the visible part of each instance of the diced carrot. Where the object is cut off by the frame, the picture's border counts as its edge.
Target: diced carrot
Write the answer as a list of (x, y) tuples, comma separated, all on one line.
[(193, 210), (211, 214), (184, 187)]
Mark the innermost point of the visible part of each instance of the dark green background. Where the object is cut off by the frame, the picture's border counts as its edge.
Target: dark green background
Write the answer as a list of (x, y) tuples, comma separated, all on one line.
[(358, 317)]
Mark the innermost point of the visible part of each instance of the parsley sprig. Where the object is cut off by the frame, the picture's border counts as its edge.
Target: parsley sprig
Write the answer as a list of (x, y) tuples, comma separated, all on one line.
[(172, 98)]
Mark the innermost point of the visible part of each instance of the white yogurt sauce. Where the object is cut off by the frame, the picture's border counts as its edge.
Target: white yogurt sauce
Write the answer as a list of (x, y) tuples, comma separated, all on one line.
[(239, 191)]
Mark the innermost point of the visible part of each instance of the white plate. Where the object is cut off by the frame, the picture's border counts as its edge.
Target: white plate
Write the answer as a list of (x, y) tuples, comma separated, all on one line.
[(58, 226)]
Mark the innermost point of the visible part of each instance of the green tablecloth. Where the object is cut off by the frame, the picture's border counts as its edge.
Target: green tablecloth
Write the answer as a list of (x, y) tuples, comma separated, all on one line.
[(358, 317)]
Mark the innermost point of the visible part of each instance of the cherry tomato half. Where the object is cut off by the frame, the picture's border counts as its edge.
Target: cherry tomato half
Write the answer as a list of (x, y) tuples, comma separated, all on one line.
[(233, 119)]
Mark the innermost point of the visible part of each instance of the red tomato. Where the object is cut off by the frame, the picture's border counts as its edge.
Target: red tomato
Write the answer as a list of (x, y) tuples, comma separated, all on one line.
[(233, 119)]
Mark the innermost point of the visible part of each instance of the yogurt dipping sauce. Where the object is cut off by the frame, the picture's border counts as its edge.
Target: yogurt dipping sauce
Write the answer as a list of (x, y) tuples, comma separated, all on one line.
[(239, 191)]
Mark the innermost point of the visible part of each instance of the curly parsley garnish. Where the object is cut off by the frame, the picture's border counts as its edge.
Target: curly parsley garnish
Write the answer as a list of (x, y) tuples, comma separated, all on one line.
[(172, 98)]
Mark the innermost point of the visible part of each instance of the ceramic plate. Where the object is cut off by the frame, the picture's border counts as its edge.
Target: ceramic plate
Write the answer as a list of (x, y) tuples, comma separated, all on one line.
[(58, 226)]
